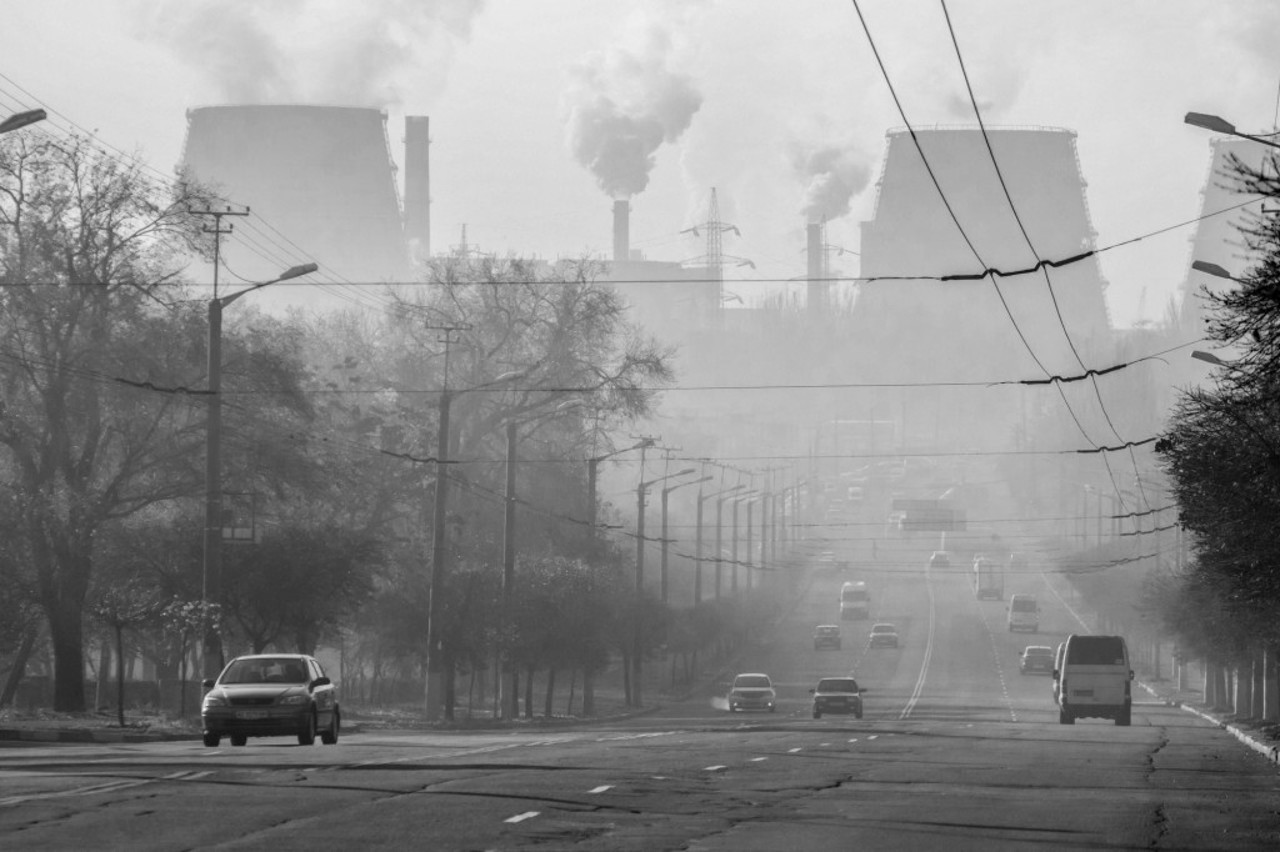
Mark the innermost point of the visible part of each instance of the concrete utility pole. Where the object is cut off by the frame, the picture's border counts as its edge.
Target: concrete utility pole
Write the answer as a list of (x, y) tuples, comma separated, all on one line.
[(211, 569), (637, 646), (435, 687), (512, 701)]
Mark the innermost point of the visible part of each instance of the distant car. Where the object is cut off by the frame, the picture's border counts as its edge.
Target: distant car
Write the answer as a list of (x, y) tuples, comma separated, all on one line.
[(837, 695), (826, 636), (940, 559), (271, 695), (1036, 658), (883, 634), (751, 691)]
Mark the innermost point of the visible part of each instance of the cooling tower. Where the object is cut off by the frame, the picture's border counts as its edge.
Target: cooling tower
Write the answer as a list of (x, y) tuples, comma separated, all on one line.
[(1217, 238), (969, 328), (417, 185), (321, 176)]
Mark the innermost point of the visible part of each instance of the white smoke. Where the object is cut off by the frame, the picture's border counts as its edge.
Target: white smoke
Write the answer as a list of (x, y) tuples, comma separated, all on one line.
[(371, 53), (833, 175), (624, 103)]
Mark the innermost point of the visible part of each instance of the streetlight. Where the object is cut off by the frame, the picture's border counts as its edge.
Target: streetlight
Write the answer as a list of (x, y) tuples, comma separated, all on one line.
[(719, 528), (211, 574), (22, 119), (733, 544), (697, 551), (641, 490), (1221, 125), (593, 467), (666, 491)]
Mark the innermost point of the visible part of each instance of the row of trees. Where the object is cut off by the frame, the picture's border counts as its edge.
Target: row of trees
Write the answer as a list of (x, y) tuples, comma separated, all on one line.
[(330, 423), (1222, 451)]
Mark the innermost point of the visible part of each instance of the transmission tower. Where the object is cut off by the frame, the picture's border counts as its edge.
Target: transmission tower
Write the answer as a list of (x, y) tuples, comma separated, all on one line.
[(715, 258)]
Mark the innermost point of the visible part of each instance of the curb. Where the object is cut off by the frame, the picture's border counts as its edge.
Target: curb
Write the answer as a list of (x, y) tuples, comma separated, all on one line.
[(50, 735), (1270, 752)]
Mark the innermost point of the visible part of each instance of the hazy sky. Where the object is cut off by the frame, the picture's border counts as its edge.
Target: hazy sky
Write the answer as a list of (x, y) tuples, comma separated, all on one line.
[(749, 96)]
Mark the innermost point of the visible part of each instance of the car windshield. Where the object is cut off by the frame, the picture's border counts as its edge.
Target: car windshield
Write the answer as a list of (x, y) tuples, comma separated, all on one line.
[(828, 631), (882, 628), (1096, 651), (265, 670), (755, 681), (837, 684), (1039, 652)]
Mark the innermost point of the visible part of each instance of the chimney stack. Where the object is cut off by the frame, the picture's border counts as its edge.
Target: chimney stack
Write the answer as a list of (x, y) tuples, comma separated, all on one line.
[(621, 231), (417, 185), (817, 291)]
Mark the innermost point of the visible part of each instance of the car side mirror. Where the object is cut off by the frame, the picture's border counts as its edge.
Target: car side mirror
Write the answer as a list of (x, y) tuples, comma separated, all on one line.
[(320, 681), (862, 689), (207, 683), (812, 691)]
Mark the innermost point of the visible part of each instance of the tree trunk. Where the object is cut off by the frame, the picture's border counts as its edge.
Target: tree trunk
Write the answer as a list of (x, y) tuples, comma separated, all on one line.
[(66, 631), (573, 682), (528, 692), (547, 709), (1243, 673), (19, 667), (588, 692), (626, 678), (119, 631), (1270, 693)]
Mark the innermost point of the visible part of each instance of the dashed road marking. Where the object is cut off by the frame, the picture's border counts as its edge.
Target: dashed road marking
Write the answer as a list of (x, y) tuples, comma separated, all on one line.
[(792, 750), (522, 817), (758, 759), (854, 740), (602, 788), (716, 768)]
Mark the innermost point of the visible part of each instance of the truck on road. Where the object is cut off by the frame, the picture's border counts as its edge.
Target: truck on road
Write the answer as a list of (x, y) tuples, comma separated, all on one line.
[(855, 601), (988, 579)]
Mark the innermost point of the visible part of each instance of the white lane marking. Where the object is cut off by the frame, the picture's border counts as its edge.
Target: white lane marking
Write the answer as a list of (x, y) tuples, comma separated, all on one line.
[(995, 655), (792, 750), (758, 759), (1074, 614), (928, 649), (522, 817), (854, 740), (823, 745), (600, 789), (715, 768), (873, 736)]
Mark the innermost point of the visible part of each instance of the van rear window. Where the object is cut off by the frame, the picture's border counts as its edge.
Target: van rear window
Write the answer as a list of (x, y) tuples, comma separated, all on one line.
[(1023, 604), (1096, 651)]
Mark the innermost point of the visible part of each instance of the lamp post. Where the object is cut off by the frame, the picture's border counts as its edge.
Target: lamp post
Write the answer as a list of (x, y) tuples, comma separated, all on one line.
[(719, 529), (211, 574), (22, 119), (697, 575), (641, 490), (1221, 125), (665, 492), (733, 544)]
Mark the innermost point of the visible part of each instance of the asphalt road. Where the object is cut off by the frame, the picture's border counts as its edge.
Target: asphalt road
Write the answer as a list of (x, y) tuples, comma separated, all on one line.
[(957, 750)]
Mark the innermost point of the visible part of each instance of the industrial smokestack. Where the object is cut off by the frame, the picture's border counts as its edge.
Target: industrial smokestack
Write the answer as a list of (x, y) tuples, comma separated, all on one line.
[(817, 291), (417, 186), (621, 231)]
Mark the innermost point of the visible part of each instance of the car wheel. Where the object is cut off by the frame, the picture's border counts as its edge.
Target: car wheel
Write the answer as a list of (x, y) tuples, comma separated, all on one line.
[(330, 737), (307, 736), (817, 715), (1124, 718), (1065, 718), (239, 739), (857, 714), (772, 708), (212, 740)]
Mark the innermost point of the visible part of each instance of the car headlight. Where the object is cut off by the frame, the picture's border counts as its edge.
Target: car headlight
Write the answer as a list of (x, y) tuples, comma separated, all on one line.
[(294, 699), (213, 699)]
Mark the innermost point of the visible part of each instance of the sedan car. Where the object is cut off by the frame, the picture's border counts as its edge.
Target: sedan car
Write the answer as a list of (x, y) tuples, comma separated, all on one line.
[(883, 635), (1036, 658), (271, 695), (751, 691), (837, 695), (826, 636)]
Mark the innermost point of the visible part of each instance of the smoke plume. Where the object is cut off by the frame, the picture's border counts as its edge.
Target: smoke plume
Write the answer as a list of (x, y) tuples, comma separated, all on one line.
[(623, 104), (309, 51), (832, 174)]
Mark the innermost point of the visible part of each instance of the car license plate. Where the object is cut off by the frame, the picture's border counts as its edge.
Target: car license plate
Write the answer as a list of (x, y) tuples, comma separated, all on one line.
[(251, 714)]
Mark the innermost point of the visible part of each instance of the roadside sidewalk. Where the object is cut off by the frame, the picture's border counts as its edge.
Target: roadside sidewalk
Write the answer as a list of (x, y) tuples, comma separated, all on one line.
[(1264, 739)]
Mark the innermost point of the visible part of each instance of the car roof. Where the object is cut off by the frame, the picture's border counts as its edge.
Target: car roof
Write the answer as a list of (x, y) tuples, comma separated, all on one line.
[(823, 680), (272, 657), (1037, 649), (751, 674), (827, 627), (883, 624)]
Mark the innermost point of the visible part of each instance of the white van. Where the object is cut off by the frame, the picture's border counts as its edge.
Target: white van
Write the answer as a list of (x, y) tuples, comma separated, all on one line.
[(1093, 679), (855, 601), (1024, 613)]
